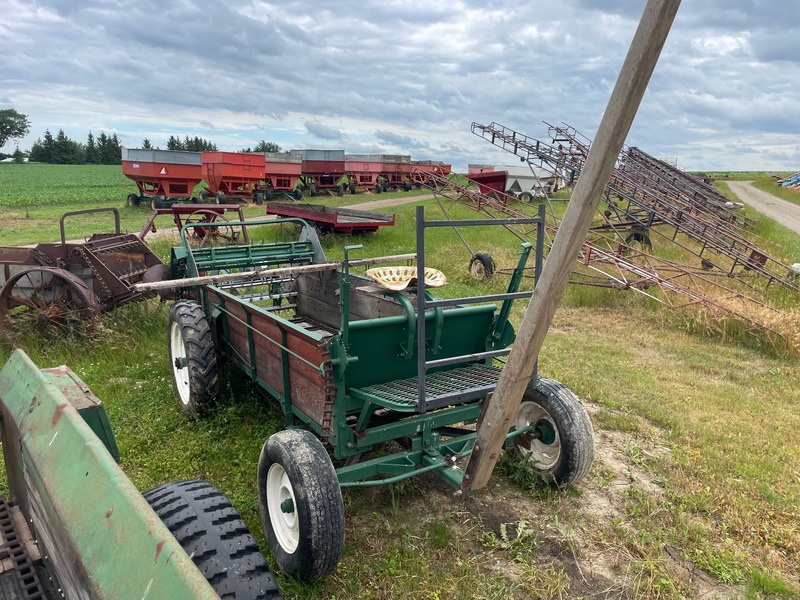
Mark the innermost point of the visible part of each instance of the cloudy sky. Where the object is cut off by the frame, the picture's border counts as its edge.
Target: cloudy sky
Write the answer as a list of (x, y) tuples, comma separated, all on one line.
[(404, 76)]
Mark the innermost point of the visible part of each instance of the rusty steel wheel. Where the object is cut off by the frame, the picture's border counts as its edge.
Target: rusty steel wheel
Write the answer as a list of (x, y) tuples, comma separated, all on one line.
[(46, 299), (217, 232)]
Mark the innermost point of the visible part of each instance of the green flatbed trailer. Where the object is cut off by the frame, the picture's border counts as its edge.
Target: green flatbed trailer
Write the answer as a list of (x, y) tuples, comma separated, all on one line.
[(74, 526), (353, 365)]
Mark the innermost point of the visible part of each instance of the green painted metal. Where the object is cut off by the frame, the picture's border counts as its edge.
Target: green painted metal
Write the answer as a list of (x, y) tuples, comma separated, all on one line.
[(87, 404), (380, 344), (101, 536), (373, 362), (502, 333)]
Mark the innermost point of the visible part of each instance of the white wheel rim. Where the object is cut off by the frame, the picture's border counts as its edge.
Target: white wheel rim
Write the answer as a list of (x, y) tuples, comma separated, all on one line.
[(542, 456), (178, 355), (285, 524)]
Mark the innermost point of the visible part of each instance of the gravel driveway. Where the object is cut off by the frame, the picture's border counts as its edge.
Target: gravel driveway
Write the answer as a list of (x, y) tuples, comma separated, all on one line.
[(785, 213)]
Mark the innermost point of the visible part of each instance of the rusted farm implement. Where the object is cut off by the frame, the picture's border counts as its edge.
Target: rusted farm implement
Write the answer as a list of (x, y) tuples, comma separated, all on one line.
[(331, 219), (354, 364), (66, 285), (191, 214)]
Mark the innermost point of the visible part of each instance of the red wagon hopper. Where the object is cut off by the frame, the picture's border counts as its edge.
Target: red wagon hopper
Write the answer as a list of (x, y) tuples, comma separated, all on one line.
[(322, 170), (489, 181), (378, 171), (364, 172), (233, 174), (282, 172), (162, 176), (397, 171)]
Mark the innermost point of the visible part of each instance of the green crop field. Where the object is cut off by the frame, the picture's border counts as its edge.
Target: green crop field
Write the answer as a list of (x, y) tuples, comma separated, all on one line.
[(24, 185), (695, 487)]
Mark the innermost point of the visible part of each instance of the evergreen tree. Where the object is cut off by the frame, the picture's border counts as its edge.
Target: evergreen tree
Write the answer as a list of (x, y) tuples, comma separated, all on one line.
[(37, 153), (109, 148), (146, 145), (67, 151), (92, 154), (49, 145), (174, 143)]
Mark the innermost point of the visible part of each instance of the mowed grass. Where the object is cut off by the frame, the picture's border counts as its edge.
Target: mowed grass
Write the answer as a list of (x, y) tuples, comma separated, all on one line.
[(695, 489)]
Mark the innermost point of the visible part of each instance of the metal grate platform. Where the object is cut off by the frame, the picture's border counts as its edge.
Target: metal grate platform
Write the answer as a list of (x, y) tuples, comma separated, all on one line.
[(441, 389), (20, 579)]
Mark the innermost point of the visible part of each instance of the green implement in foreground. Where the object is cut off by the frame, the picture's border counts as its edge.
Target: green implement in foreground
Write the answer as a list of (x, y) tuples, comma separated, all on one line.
[(83, 528), (354, 365)]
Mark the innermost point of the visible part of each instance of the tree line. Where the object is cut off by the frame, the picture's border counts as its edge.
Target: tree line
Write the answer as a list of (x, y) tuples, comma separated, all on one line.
[(62, 150), (101, 150)]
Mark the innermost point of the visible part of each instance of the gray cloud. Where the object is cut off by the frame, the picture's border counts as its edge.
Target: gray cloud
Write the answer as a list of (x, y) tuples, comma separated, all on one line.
[(402, 76), (321, 131)]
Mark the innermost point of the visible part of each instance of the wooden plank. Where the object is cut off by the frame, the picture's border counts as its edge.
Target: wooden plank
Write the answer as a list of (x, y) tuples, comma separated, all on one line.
[(318, 298), (264, 272), (616, 122)]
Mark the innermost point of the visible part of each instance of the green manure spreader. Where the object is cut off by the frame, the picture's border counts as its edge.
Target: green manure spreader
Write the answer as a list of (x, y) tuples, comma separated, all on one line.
[(355, 362)]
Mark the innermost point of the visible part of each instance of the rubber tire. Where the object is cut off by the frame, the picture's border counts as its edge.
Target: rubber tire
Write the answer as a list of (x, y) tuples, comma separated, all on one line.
[(157, 202), (406, 187), (352, 189), (258, 198), (481, 266), (526, 197), (195, 200), (132, 201), (312, 191), (340, 189), (640, 239), (219, 197), (212, 533), (298, 194), (574, 443), (197, 393), (204, 194), (378, 188), (318, 504)]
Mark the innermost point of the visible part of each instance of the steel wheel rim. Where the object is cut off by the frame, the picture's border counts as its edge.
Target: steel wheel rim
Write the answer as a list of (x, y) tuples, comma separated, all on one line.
[(477, 270), (178, 355), (543, 456), (45, 298), (285, 524)]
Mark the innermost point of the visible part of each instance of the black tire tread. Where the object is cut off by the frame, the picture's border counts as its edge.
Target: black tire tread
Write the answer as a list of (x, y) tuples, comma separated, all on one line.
[(486, 260), (231, 562), (201, 353), (319, 503), (574, 428)]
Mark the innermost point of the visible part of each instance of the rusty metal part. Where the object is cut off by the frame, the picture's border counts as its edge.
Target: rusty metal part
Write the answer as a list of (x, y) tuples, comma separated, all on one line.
[(18, 554), (45, 297), (646, 194), (68, 283), (607, 261)]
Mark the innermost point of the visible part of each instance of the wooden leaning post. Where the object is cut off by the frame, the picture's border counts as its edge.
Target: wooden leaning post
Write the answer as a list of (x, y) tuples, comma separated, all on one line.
[(631, 84)]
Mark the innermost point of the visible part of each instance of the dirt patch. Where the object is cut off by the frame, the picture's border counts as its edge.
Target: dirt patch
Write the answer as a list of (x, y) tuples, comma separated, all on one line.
[(577, 535)]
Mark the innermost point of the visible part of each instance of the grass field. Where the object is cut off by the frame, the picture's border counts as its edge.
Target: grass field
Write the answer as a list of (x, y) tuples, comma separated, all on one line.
[(694, 492)]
